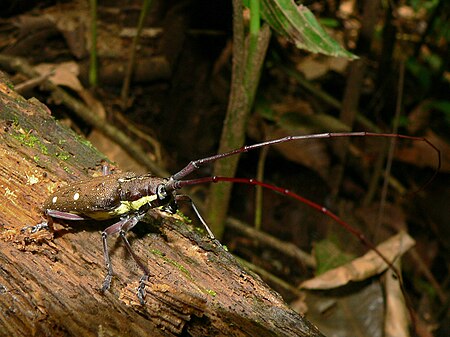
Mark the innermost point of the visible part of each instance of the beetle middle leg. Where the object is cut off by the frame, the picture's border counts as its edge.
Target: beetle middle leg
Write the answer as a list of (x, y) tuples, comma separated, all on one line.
[(122, 227), (186, 198)]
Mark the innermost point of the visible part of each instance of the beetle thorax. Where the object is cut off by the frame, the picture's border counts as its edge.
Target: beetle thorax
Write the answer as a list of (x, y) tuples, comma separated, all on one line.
[(134, 188)]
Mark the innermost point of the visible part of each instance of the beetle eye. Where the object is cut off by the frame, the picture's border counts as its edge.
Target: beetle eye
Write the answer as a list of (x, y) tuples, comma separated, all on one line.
[(161, 192)]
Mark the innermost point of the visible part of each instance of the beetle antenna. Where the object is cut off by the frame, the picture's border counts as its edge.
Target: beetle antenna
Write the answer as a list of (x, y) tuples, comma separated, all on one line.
[(355, 232), (194, 165)]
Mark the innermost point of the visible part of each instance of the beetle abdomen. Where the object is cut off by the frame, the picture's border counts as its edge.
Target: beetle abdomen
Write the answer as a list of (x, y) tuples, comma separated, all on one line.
[(98, 194), (105, 197)]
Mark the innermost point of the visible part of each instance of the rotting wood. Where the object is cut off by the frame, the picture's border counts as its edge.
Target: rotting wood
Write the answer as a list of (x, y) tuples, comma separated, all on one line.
[(49, 282)]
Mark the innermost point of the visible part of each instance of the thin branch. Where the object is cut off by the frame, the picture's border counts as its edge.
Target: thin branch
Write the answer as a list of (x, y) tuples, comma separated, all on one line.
[(85, 113), (132, 59), (245, 78)]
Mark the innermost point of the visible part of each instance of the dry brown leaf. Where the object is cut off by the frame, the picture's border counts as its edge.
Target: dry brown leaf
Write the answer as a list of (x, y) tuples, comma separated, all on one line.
[(396, 322), (66, 74), (115, 153), (364, 267), (315, 66)]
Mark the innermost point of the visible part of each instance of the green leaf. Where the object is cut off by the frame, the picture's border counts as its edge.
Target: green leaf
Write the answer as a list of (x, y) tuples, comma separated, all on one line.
[(299, 25)]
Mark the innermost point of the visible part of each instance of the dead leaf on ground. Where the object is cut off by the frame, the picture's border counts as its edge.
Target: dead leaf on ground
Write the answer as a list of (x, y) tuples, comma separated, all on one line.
[(396, 321), (115, 153), (359, 312), (314, 66), (66, 74), (364, 267)]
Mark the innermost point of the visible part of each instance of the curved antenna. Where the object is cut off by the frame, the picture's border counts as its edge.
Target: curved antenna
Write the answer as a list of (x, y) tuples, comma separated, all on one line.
[(172, 183), (355, 232)]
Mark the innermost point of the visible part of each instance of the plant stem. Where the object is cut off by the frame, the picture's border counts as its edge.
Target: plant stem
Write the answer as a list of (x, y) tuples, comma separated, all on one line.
[(244, 82), (131, 61), (93, 62)]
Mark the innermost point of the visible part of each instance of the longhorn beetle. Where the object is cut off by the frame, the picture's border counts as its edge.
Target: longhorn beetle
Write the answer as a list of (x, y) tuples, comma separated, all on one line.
[(128, 197)]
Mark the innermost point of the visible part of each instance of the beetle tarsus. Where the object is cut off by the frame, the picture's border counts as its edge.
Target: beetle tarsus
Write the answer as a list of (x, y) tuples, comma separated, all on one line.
[(108, 277), (141, 289), (36, 228), (106, 283)]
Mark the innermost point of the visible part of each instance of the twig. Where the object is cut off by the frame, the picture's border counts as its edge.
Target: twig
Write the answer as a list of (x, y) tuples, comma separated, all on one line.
[(142, 135), (353, 87), (93, 59), (287, 248), (238, 101), (132, 59), (245, 79), (390, 155), (33, 82), (422, 266), (325, 97), (259, 189)]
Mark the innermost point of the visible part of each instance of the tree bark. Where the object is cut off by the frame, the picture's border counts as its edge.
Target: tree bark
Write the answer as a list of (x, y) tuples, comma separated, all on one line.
[(50, 280)]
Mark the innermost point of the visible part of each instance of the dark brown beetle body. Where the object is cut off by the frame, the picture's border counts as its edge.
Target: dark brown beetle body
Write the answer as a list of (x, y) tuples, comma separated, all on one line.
[(106, 197), (125, 196)]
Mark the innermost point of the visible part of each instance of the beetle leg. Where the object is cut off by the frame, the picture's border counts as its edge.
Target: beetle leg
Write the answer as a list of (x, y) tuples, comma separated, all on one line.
[(46, 224), (133, 220), (182, 197), (141, 287), (123, 226), (63, 215)]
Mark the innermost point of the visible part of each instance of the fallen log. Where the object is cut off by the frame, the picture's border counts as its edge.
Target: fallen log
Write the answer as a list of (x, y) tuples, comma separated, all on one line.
[(50, 281)]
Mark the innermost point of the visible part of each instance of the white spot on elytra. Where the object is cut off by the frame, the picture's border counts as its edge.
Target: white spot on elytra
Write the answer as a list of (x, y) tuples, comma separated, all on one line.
[(76, 196), (54, 200)]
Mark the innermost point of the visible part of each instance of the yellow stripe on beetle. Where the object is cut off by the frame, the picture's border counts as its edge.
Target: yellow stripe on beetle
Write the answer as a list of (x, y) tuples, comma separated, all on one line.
[(124, 208)]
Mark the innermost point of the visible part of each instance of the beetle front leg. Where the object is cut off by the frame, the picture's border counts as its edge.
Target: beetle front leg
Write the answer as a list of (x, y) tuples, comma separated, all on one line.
[(141, 287), (186, 198), (123, 227), (133, 220)]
